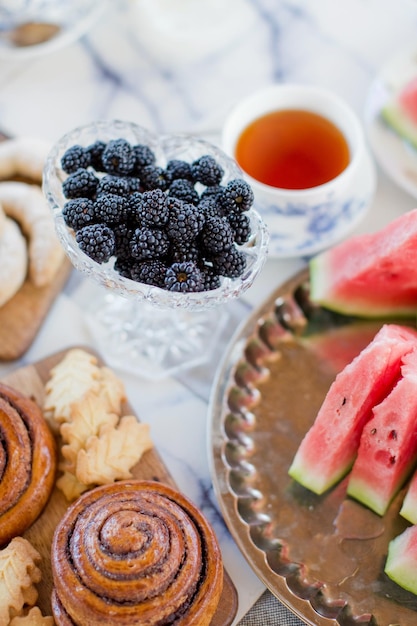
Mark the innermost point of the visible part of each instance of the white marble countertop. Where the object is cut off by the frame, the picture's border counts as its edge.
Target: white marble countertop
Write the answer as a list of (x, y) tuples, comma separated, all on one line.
[(178, 65)]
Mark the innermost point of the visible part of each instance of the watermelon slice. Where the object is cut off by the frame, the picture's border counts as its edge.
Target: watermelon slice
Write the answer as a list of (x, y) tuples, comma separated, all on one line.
[(388, 445), (401, 563), (329, 448), (371, 275), (400, 112), (409, 505)]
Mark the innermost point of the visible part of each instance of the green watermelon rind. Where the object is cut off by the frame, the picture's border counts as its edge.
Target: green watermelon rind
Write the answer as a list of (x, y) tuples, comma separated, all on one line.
[(360, 491), (409, 504), (398, 120), (315, 482), (400, 565), (348, 306)]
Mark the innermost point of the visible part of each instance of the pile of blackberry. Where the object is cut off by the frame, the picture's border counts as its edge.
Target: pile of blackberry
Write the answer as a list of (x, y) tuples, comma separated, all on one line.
[(176, 227)]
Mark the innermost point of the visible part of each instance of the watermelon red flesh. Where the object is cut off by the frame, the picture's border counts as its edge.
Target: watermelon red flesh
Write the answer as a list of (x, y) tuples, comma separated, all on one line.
[(371, 275), (400, 112), (409, 505), (401, 563), (388, 444), (329, 448)]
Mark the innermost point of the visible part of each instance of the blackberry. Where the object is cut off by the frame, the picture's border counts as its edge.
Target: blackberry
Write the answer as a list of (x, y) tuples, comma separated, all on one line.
[(149, 272), (210, 206), (217, 234), (111, 208), (97, 241), (185, 221), (95, 151), (75, 158), (184, 251), (118, 157), (184, 277), (124, 266), (237, 196), (154, 177), (135, 203), (230, 263), (153, 209), (148, 243), (123, 234), (207, 171), (176, 168), (143, 156), (80, 184), (240, 224), (211, 278), (134, 183), (113, 184), (214, 192), (78, 212), (184, 190)]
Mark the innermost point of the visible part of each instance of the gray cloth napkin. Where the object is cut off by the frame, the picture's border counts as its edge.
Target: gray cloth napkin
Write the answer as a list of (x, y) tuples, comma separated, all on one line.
[(268, 611)]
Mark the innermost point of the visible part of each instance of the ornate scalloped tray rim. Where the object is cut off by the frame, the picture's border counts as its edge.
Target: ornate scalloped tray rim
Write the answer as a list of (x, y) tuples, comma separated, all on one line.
[(30, 380), (323, 556)]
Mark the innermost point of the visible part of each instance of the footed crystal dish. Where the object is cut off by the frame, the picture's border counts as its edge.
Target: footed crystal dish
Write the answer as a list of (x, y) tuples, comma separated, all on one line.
[(143, 328)]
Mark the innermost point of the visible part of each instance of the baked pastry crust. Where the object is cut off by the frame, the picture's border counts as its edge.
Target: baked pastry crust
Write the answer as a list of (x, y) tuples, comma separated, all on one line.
[(13, 258), (138, 552), (27, 463)]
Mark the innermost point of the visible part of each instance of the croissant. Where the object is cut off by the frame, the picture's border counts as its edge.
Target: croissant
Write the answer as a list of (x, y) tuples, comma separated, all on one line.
[(136, 552), (27, 463)]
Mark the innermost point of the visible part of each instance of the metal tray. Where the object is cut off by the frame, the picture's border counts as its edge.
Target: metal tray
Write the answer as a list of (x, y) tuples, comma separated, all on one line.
[(322, 556)]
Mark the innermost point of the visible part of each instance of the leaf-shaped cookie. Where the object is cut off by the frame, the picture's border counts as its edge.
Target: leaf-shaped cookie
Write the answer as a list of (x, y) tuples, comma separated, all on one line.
[(70, 486), (86, 418), (112, 454), (70, 379), (112, 389), (33, 618), (18, 573)]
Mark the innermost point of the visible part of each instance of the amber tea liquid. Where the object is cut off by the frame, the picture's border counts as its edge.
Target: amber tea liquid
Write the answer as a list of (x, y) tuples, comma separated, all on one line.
[(292, 149)]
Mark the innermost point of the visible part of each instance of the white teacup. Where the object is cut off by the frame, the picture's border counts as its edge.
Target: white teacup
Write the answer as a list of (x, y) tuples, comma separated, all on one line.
[(302, 222)]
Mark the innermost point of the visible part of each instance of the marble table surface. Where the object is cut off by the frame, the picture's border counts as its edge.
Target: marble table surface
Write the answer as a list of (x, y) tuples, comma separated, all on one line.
[(179, 66)]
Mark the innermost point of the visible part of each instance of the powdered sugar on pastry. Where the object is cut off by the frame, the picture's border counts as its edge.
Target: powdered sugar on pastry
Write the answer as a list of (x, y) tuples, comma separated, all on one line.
[(27, 205), (23, 156), (13, 259)]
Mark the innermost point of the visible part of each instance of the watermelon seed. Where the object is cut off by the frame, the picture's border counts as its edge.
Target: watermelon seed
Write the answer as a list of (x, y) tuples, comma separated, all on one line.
[(373, 431), (393, 434)]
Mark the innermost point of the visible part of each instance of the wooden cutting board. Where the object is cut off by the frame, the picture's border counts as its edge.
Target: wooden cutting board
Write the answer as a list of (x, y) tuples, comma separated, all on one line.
[(30, 380), (22, 316)]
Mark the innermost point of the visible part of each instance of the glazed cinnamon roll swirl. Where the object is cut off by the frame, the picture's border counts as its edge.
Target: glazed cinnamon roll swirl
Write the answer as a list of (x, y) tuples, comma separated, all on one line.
[(27, 463), (135, 552)]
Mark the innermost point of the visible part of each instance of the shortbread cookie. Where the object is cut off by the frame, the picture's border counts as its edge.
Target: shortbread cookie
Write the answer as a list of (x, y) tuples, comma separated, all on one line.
[(18, 573), (23, 156), (27, 205), (13, 259), (33, 618), (69, 381), (111, 455), (84, 402)]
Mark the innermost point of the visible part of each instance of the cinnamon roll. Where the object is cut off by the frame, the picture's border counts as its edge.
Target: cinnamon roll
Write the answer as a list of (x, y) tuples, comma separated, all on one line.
[(27, 463), (135, 552)]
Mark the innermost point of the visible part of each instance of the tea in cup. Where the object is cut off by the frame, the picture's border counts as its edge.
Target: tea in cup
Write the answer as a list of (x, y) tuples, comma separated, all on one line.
[(303, 151)]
